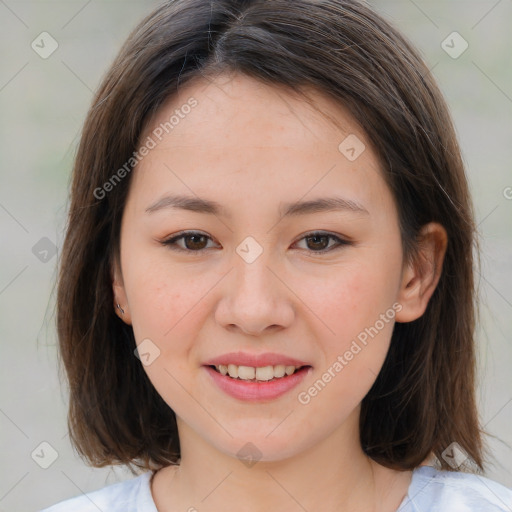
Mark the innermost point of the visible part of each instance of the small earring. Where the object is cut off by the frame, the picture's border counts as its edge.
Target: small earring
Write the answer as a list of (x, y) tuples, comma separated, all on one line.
[(120, 309)]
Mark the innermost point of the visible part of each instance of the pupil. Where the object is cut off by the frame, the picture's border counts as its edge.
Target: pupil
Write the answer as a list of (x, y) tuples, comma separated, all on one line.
[(317, 237), (194, 237)]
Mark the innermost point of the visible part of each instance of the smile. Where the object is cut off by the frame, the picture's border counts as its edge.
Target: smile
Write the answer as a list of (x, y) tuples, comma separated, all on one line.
[(257, 384), (262, 373)]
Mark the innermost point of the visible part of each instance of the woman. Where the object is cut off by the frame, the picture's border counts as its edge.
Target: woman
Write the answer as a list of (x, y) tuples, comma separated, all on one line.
[(266, 290)]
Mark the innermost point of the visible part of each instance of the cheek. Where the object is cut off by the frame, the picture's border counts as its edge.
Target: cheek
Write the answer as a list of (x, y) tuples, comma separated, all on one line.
[(165, 306), (355, 306), (354, 347), (352, 298), (162, 297)]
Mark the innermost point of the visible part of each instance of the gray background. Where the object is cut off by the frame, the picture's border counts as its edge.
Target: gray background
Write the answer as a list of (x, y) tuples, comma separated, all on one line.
[(43, 103)]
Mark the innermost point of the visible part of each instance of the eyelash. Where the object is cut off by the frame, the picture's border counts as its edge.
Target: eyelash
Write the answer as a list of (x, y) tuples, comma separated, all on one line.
[(171, 242)]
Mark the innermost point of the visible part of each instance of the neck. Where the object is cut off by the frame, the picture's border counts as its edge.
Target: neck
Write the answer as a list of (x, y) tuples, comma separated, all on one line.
[(332, 475)]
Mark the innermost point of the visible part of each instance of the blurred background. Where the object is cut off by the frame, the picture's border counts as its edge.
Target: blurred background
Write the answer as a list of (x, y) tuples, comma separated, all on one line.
[(54, 54)]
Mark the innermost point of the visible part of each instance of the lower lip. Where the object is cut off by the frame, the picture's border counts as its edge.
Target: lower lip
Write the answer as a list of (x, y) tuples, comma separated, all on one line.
[(257, 391)]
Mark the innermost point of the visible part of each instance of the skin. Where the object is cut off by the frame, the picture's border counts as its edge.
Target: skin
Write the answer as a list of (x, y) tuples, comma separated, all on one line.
[(250, 147)]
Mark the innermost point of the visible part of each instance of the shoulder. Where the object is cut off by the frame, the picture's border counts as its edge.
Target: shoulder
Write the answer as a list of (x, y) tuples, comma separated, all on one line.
[(130, 495), (433, 490)]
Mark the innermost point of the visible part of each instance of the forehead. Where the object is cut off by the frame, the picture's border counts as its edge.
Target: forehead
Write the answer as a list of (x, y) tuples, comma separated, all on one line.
[(244, 138), (238, 109)]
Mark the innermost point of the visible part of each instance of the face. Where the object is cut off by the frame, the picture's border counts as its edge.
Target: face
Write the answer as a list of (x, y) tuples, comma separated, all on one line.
[(258, 272)]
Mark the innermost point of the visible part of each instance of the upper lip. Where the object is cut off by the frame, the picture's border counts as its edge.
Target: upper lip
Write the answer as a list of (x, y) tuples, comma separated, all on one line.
[(255, 360)]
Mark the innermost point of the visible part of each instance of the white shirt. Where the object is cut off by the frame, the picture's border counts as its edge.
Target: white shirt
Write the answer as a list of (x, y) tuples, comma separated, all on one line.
[(430, 490)]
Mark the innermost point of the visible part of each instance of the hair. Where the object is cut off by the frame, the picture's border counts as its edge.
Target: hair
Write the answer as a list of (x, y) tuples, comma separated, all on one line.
[(424, 397)]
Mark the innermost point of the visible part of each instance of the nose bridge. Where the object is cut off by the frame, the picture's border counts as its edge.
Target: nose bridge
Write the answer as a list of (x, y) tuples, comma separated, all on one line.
[(253, 281), (254, 298)]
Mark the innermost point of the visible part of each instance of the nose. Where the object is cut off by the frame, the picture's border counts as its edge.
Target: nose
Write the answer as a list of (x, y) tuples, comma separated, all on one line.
[(255, 298)]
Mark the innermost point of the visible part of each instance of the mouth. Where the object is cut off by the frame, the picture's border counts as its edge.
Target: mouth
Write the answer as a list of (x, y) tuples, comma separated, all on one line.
[(254, 377), (258, 374), (257, 383)]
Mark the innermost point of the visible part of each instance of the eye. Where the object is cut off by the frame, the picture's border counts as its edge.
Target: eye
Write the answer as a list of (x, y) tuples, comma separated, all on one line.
[(319, 241), (195, 241)]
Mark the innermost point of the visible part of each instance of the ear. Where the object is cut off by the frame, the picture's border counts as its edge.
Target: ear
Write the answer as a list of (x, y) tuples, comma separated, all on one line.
[(119, 293), (421, 275)]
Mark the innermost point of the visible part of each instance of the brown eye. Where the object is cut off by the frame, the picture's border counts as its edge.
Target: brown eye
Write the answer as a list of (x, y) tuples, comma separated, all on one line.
[(319, 242), (192, 241)]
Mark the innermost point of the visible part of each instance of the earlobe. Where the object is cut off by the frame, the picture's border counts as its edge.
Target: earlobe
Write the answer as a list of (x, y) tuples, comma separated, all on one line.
[(421, 275), (120, 301)]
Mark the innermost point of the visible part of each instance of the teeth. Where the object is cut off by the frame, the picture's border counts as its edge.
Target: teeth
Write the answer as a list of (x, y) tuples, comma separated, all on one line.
[(265, 373), (245, 372), (280, 370), (262, 373), (233, 371)]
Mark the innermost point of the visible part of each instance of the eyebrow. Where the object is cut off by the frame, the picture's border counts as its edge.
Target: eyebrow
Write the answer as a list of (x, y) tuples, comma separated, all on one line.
[(206, 206)]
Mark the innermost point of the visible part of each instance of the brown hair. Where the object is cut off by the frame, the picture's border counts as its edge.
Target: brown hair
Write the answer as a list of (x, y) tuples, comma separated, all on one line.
[(424, 397)]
